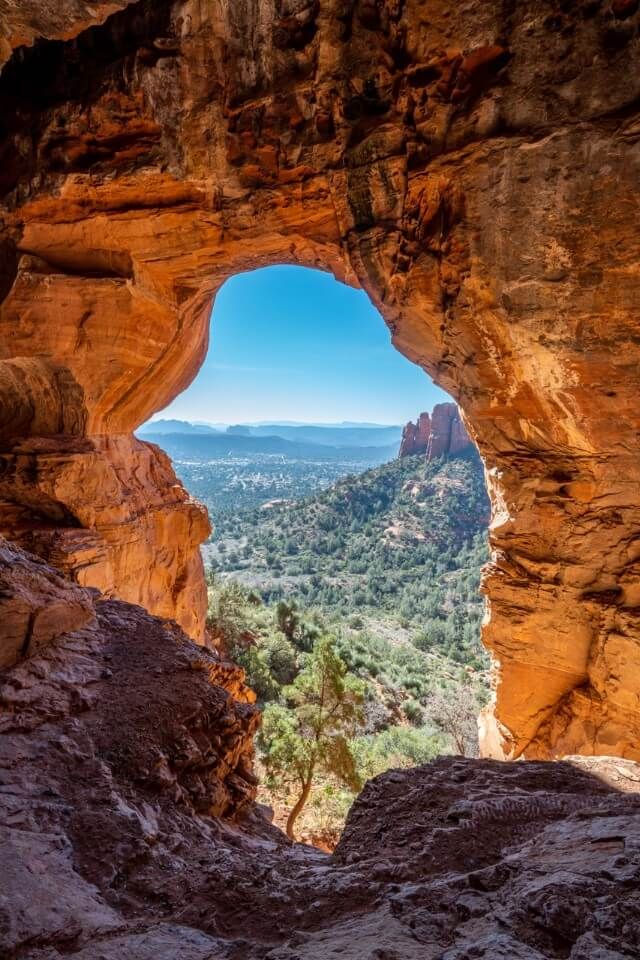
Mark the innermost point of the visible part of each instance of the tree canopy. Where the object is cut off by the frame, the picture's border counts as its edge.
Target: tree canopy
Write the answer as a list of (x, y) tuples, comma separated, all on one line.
[(312, 732)]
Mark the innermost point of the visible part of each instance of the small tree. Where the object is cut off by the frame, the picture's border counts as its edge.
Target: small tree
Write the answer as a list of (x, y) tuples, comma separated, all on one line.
[(280, 655), (228, 615), (287, 618), (455, 711), (302, 633), (312, 732)]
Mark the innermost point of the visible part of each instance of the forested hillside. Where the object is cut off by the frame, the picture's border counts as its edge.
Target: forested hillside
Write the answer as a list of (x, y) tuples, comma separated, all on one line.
[(368, 589), (399, 547)]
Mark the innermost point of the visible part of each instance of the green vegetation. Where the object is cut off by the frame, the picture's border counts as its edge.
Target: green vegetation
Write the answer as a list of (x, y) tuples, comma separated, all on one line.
[(398, 548), (312, 732), (355, 612), (340, 705), (233, 484)]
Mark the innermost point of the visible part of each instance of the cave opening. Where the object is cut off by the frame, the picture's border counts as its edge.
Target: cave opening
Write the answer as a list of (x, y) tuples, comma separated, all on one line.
[(347, 540), (476, 170)]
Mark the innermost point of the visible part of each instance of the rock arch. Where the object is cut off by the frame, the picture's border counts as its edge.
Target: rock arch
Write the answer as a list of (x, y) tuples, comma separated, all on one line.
[(474, 169)]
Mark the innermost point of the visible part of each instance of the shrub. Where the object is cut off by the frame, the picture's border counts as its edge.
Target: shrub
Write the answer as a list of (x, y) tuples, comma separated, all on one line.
[(413, 712)]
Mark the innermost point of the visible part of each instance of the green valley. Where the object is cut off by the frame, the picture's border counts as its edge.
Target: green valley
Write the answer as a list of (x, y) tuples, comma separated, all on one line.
[(397, 549), (382, 570)]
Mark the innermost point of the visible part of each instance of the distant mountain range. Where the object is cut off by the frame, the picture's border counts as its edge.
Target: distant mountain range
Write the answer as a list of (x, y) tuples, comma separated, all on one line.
[(217, 446), (158, 427), (361, 441), (223, 427), (335, 436)]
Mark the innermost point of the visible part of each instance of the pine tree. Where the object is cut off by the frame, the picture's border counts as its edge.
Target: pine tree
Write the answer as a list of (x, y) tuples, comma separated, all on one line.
[(312, 733)]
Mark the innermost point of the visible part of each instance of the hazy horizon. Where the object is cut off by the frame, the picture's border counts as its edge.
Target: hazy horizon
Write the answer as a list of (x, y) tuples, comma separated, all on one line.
[(294, 344), (278, 423)]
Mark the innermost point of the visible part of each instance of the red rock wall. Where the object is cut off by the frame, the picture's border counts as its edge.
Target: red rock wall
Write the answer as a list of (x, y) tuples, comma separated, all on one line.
[(438, 435), (475, 171), (415, 436), (110, 513)]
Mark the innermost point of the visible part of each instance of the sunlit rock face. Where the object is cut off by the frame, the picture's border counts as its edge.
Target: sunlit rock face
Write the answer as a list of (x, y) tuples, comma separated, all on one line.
[(474, 168), (23, 23), (415, 436), (439, 435)]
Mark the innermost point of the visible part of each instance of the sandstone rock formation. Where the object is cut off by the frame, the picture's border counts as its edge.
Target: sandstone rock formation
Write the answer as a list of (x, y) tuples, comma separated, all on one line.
[(176, 715), (473, 167), (441, 434), (120, 738), (23, 23), (37, 605), (415, 436), (97, 508)]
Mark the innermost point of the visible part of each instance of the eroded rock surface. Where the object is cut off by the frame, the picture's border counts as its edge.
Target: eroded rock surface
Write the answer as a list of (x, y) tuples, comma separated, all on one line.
[(30, 20), (415, 436), (127, 828), (37, 605), (474, 167), (441, 434), (97, 507)]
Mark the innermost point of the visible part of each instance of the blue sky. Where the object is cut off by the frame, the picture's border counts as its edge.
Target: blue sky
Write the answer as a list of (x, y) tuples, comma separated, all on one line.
[(289, 343)]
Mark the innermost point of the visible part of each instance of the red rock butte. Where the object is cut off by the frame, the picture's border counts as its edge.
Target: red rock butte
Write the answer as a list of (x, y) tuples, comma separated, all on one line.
[(473, 167), (441, 434)]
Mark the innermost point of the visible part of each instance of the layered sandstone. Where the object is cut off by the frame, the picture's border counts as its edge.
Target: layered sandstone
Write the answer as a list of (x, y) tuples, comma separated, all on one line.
[(440, 435), (97, 508), (37, 605), (474, 168)]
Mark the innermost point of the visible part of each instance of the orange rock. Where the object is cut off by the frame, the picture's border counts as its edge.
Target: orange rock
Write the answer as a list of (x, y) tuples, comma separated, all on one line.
[(415, 436), (437, 435), (497, 234), (104, 506)]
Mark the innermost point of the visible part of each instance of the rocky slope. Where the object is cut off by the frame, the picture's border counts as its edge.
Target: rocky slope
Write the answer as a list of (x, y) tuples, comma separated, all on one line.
[(474, 168), (120, 740)]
